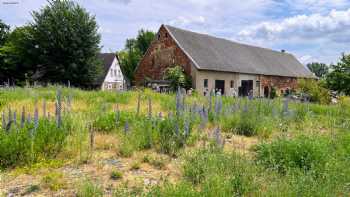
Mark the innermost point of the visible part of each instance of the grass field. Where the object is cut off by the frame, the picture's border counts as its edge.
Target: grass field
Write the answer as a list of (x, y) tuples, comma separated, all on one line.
[(68, 142)]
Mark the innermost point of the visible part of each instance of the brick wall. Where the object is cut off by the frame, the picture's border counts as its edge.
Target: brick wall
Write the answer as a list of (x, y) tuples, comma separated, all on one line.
[(280, 83), (163, 53)]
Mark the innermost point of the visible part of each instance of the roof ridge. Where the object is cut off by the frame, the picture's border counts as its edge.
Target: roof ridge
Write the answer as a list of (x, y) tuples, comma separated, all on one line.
[(231, 41)]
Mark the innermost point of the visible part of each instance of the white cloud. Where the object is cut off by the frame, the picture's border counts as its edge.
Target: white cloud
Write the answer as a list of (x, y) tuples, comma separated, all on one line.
[(182, 20), (323, 36), (314, 26)]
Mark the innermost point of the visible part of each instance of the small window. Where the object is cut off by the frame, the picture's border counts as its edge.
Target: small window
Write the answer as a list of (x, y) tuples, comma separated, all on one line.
[(232, 84), (158, 36), (166, 35), (258, 84), (206, 83)]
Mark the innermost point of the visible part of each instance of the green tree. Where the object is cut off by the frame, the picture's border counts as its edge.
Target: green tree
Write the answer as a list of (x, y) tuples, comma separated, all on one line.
[(133, 52), (339, 78), (320, 69), (176, 76), (144, 40), (19, 55), (66, 37), (4, 31)]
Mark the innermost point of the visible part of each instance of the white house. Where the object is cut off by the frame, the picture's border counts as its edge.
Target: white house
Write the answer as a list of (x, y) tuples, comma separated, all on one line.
[(112, 77)]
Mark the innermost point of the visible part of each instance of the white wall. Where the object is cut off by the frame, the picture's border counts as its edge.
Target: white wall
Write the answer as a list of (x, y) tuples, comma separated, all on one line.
[(114, 76)]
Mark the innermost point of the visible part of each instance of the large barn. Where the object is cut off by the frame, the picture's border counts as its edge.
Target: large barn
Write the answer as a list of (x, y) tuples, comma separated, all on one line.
[(219, 64)]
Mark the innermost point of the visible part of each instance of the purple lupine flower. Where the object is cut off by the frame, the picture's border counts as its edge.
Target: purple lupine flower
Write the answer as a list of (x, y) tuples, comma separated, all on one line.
[(178, 101), (187, 128), (218, 138), (23, 117), (126, 127), (29, 119), (15, 117)]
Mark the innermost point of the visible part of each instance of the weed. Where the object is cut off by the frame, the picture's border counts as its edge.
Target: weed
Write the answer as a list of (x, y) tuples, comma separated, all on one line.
[(116, 175), (89, 189), (54, 181)]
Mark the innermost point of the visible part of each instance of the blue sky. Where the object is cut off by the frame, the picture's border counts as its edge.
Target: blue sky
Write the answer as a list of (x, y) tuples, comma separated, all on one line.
[(312, 30)]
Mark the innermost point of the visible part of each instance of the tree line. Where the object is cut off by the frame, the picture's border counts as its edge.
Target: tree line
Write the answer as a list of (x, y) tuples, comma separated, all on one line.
[(60, 44), (334, 77)]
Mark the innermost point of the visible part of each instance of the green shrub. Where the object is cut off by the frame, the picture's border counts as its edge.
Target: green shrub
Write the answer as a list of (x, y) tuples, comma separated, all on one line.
[(303, 153), (18, 147), (169, 140), (115, 175), (219, 173), (317, 93), (89, 189)]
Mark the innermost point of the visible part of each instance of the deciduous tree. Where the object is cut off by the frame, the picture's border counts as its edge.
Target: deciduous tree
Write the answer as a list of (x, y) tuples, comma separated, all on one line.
[(67, 39), (339, 78)]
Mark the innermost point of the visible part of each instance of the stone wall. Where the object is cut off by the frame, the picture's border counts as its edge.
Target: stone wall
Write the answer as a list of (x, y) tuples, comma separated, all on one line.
[(163, 53)]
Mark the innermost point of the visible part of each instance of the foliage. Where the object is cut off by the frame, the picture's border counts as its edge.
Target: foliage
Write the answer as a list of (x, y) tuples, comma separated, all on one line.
[(4, 31), (134, 49), (319, 69), (115, 175), (304, 152), (67, 41), (19, 53), (89, 189), (176, 76), (215, 173), (339, 78), (314, 90), (19, 147)]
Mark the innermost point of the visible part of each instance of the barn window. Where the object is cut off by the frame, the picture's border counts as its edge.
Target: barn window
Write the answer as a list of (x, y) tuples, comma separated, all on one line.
[(158, 36), (206, 83), (166, 35), (232, 84)]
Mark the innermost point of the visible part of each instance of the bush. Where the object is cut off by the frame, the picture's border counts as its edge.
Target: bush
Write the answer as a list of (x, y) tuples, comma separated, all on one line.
[(218, 173), (169, 140), (304, 153), (315, 91), (115, 175), (18, 147)]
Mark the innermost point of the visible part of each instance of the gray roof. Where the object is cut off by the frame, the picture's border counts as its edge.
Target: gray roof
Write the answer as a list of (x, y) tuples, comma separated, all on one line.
[(217, 54), (107, 60)]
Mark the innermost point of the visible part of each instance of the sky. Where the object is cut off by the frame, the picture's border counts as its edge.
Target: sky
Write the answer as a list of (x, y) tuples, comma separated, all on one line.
[(312, 30)]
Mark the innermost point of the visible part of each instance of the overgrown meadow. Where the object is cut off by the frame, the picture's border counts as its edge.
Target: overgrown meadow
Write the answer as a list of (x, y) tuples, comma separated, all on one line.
[(67, 141)]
